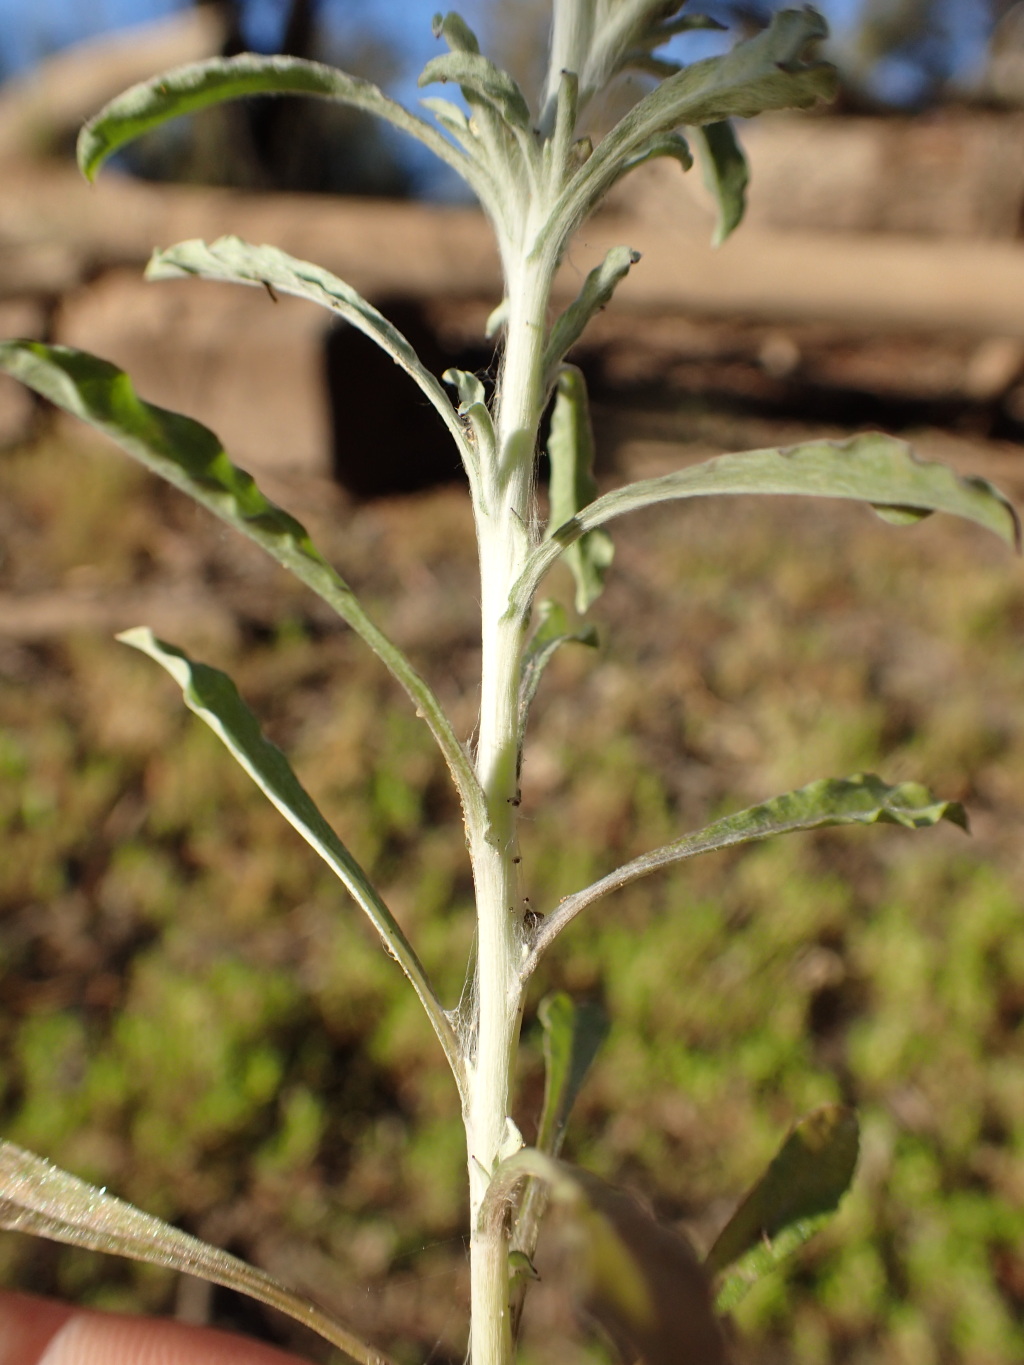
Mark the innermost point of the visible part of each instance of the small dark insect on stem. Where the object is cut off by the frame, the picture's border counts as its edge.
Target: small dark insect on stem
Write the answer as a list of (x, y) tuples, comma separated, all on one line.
[(269, 288)]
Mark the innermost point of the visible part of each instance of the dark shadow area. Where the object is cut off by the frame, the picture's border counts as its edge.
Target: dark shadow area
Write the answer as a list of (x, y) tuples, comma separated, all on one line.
[(385, 436)]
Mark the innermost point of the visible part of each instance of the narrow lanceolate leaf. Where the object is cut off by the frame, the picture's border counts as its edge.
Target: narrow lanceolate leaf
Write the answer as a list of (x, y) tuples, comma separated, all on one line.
[(190, 457), (215, 699), (45, 1201), (552, 632), (233, 261), (640, 1281), (871, 468), (572, 486), (766, 72), (598, 288), (860, 800), (726, 174), (795, 1197), (201, 84)]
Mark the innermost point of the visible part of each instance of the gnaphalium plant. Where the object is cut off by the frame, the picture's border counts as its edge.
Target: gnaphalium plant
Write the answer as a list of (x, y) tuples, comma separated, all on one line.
[(537, 179)]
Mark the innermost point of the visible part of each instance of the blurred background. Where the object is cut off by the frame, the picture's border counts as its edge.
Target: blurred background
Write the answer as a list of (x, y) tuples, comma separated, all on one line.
[(190, 1013)]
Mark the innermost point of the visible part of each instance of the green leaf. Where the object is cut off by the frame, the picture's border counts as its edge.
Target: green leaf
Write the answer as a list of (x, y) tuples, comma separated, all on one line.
[(552, 632), (214, 698), (764, 73), (233, 261), (201, 84), (795, 1197), (573, 1035), (43, 1200), (456, 32), (640, 1281), (572, 486), (872, 468), (726, 174), (478, 76), (598, 288), (190, 457), (860, 800)]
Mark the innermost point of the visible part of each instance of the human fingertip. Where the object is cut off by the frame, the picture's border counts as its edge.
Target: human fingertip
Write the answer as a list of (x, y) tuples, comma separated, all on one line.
[(27, 1326)]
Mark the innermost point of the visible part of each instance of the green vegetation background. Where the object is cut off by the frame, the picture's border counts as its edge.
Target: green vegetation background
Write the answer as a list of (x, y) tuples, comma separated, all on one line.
[(193, 1016)]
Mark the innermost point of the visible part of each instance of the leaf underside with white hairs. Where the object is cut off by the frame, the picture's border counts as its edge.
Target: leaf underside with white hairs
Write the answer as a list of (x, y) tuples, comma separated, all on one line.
[(873, 468), (596, 293), (234, 261), (45, 1201), (198, 85), (860, 800), (764, 73), (478, 76)]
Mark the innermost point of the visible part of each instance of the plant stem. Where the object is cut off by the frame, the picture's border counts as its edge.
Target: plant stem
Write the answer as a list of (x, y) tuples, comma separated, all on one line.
[(504, 519)]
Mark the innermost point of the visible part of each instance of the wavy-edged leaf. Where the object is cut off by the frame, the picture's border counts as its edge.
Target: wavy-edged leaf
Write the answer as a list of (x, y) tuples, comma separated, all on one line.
[(198, 85), (478, 76), (189, 456), (214, 698), (552, 632), (41, 1199), (640, 1281), (664, 144), (871, 468), (234, 261), (598, 288), (572, 485), (726, 174), (763, 73), (863, 799), (796, 1196), (766, 72)]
